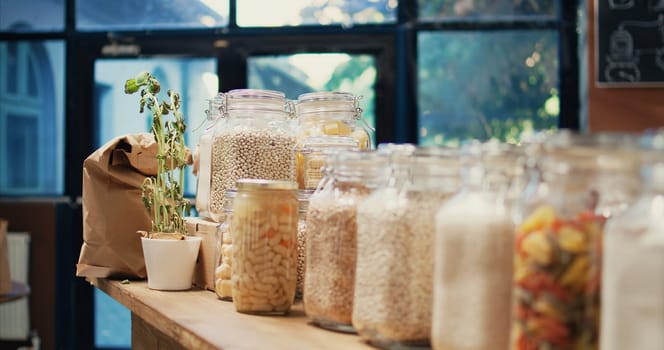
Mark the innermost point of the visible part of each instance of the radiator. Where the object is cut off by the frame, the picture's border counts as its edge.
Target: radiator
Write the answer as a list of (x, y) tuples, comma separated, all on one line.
[(15, 315)]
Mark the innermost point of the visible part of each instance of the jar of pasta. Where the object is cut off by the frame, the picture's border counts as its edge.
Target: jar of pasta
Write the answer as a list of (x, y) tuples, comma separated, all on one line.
[(632, 279), (332, 114), (222, 272), (395, 240), (264, 234), (331, 249), (254, 139), (584, 180), (204, 156)]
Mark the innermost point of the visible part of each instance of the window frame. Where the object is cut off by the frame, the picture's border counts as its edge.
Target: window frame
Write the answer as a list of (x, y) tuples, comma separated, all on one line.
[(394, 46)]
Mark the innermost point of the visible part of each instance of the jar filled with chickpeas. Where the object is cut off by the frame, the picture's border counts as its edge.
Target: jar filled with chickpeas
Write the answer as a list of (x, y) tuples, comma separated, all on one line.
[(203, 165), (331, 248), (222, 272), (395, 240), (329, 113), (254, 139), (303, 206), (264, 234), (584, 180)]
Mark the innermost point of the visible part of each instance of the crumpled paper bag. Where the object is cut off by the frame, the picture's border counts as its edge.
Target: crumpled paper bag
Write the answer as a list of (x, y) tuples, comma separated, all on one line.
[(112, 207)]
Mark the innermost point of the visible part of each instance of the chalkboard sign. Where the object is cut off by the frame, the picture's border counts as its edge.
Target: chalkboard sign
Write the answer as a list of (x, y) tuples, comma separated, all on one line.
[(629, 43)]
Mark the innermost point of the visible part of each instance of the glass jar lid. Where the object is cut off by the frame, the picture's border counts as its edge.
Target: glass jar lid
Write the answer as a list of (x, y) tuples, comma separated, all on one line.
[(254, 99), (327, 101), (255, 184)]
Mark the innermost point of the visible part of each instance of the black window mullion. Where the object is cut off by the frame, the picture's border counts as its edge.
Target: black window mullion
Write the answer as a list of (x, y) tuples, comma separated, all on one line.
[(569, 66)]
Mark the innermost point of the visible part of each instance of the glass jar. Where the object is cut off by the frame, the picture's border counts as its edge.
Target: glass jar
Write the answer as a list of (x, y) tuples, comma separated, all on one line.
[(264, 233), (348, 177), (222, 273), (632, 279), (314, 150), (303, 201), (203, 170), (584, 180), (474, 251), (395, 236), (329, 113), (253, 140)]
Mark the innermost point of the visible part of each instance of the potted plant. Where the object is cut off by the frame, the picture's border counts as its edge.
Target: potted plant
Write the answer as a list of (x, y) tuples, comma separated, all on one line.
[(170, 254)]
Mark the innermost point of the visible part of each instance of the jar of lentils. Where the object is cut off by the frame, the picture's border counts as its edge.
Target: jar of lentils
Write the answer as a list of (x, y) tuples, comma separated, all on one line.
[(348, 177), (303, 207), (204, 163), (222, 272), (264, 233), (584, 180), (329, 113), (254, 139), (395, 239)]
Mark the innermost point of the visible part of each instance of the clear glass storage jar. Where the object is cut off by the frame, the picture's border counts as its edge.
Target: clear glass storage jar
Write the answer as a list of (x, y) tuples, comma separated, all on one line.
[(314, 150), (254, 139), (632, 278), (329, 113), (474, 252), (395, 238), (303, 201), (264, 233), (583, 180), (348, 177), (204, 166), (222, 274)]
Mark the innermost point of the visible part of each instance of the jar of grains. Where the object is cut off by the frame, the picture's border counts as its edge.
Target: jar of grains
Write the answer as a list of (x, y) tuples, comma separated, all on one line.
[(303, 206), (474, 252), (584, 179), (329, 113), (395, 236), (254, 139), (204, 163), (348, 177), (264, 233), (222, 272), (632, 278)]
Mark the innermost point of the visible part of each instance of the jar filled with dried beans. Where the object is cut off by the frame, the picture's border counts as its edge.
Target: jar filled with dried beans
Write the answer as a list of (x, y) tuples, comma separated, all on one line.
[(584, 179), (331, 248), (254, 139), (264, 233), (632, 278), (474, 252), (395, 239), (303, 207), (203, 166), (222, 272), (331, 114)]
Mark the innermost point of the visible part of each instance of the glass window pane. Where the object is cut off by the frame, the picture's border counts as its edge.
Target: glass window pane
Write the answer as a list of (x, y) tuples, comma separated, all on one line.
[(446, 10), (32, 118), (278, 13), (485, 85), (308, 72), (32, 15), (102, 15), (118, 113)]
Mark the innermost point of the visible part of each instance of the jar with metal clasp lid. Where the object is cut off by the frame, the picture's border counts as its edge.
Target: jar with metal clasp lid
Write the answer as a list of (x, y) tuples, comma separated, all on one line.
[(204, 167), (584, 179), (331, 114), (254, 139), (331, 248)]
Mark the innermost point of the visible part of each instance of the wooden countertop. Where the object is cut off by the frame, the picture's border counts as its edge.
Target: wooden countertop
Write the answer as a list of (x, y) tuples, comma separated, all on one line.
[(197, 319)]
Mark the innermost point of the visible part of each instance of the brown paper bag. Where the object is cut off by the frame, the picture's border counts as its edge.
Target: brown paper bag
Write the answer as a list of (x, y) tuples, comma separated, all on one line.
[(112, 207), (5, 276)]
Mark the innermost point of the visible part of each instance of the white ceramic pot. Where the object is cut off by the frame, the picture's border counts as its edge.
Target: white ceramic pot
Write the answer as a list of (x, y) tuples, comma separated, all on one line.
[(170, 263)]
